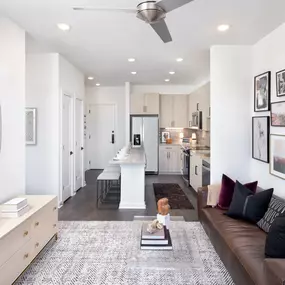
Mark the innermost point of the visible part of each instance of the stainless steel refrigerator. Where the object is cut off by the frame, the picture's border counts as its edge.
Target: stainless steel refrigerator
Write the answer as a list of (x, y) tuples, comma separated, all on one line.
[(146, 128)]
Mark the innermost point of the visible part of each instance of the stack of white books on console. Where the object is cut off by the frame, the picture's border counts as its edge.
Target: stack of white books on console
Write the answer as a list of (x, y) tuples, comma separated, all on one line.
[(14, 208)]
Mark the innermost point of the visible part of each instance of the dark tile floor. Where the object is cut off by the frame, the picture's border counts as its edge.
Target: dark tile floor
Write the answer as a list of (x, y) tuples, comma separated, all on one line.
[(82, 207)]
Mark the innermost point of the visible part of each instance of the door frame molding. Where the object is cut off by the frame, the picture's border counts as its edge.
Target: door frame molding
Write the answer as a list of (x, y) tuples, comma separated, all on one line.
[(83, 143), (71, 95), (88, 125)]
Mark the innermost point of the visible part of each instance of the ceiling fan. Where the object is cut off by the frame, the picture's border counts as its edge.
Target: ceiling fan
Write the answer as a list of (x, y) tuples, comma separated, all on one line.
[(151, 12)]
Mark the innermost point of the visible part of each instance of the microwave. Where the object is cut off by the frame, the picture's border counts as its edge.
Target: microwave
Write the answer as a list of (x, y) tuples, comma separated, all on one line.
[(197, 120)]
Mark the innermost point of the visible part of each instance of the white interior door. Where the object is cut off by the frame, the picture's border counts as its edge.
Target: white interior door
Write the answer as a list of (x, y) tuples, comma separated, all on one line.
[(102, 135), (67, 147), (79, 143)]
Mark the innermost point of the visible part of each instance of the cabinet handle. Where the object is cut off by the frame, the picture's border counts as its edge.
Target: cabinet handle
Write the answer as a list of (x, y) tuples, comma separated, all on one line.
[(36, 224), (26, 233), (26, 256), (209, 111), (197, 106), (37, 244), (54, 208), (196, 172)]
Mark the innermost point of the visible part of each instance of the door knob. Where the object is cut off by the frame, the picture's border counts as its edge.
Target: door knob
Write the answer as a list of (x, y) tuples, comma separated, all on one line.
[(71, 153)]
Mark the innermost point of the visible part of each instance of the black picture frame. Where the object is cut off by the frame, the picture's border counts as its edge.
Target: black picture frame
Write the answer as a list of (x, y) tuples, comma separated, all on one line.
[(272, 115), (280, 93), (266, 139), (268, 92), (276, 166)]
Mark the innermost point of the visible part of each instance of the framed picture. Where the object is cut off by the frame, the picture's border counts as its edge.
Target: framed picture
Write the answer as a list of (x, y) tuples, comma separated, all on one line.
[(278, 114), (164, 136), (280, 83), (260, 138), (277, 155), (262, 86), (31, 128)]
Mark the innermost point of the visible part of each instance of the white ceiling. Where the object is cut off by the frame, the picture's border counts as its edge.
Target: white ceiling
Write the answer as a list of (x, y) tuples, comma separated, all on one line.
[(101, 42)]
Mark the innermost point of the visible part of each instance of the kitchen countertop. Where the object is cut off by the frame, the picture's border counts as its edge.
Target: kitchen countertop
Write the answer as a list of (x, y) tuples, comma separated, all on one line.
[(136, 156)]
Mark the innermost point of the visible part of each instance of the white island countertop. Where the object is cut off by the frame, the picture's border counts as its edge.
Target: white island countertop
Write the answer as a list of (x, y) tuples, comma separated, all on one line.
[(136, 156)]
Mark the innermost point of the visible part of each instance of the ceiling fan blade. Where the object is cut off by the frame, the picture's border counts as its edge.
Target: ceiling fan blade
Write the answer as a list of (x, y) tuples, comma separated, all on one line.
[(162, 30), (104, 9), (169, 5)]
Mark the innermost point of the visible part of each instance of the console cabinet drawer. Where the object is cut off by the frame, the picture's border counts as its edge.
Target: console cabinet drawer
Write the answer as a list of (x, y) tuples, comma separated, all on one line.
[(15, 240), (10, 270), (44, 221)]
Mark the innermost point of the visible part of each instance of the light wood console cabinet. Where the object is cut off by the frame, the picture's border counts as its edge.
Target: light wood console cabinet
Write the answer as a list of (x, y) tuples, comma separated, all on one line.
[(21, 239)]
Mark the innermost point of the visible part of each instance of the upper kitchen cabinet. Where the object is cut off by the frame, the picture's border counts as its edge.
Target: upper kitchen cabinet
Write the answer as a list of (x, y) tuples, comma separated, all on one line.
[(166, 111), (199, 100), (145, 104), (173, 111)]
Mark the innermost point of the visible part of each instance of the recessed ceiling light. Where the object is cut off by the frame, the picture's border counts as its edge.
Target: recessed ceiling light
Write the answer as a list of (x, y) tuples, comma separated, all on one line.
[(64, 27), (134, 72), (179, 59), (171, 72), (223, 28), (131, 60), (90, 78), (98, 84), (166, 80)]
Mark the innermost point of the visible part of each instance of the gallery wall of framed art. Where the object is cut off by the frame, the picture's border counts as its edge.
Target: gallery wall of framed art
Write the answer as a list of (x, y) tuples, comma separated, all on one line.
[(268, 138)]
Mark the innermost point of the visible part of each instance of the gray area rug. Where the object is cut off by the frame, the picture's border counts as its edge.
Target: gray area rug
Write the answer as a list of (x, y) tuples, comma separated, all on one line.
[(91, 253)]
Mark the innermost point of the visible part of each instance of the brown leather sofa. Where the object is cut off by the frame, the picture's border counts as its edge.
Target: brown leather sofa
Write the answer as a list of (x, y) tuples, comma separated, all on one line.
[(240, 246)]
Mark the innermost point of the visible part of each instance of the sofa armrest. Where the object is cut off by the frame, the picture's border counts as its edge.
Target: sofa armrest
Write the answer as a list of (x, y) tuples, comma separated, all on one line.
[(202, 198), (275, 270)]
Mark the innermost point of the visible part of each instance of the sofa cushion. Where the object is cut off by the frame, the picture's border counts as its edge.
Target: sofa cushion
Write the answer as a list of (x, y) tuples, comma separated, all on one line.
[(227, 191), (276, 207), (249, 206), (275, 241)]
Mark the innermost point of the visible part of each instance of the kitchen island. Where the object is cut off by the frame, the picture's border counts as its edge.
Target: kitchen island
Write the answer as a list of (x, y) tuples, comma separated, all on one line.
[(132, 166)]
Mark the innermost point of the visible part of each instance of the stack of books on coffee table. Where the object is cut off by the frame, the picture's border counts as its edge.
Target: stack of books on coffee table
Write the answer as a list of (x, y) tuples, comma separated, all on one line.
[(160, 240), (14, 208)]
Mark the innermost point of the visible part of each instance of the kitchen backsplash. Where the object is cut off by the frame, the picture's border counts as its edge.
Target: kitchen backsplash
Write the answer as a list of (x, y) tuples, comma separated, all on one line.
[(203, 137)]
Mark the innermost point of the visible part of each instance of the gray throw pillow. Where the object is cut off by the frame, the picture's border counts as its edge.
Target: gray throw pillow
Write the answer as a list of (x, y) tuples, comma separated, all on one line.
[(275, 209)]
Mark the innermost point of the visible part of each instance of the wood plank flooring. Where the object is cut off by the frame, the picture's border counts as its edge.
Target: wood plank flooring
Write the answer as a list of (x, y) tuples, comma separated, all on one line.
[(82, 207)]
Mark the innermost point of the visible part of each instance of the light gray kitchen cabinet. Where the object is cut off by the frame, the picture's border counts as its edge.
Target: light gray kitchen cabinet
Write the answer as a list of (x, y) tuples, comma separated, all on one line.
[(199, 100), (195, 171), (173, 111), (169, 160), (166, 111), (147, 104)]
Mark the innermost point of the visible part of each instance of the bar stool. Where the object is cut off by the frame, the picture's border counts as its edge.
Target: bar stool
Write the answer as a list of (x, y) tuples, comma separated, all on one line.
[(108, 182), (113, 168)]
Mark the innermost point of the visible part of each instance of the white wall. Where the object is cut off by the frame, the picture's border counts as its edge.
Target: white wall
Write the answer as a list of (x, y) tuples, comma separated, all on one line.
[(231, 80), (47, 75), (71, 79), (269, 55), (42, 160), (110, 95), (12, 101)]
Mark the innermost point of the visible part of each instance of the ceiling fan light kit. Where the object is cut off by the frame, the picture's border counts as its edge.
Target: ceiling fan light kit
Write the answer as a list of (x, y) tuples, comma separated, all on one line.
[(151, 12)]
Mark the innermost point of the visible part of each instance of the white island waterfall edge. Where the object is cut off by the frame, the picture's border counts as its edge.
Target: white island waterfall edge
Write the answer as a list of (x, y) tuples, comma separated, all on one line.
[(132, 179)]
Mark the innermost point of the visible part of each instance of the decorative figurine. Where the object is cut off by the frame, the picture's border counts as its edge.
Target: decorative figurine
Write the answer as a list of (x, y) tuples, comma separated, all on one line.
[(163, 206), (163, 215)]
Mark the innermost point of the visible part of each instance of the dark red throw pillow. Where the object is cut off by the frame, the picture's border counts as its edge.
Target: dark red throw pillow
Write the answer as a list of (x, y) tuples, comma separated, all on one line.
[(227, 191)]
